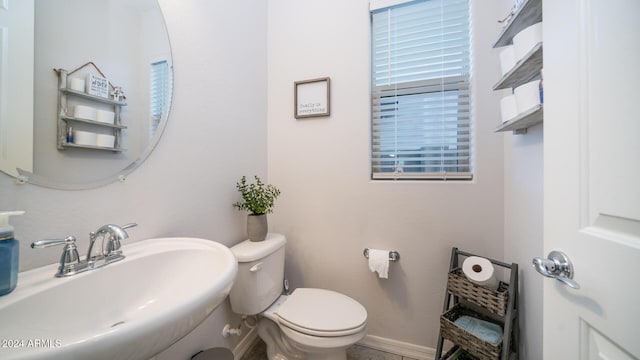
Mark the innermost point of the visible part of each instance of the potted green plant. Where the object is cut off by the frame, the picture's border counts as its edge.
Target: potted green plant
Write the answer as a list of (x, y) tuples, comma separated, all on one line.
[(258, 199)]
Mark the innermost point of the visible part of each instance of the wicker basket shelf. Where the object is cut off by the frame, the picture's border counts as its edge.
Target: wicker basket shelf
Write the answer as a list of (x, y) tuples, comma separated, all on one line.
[(499, 306), (482, 349), (457, 353), (492, 300)]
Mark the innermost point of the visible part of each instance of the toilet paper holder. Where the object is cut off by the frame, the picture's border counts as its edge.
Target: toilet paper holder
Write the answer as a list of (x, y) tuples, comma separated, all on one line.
[(393, 255)]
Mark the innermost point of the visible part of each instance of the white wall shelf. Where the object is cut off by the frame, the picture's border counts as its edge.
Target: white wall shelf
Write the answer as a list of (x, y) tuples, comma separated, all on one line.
[(525, 70), (522, 122), (529, 13), (77, 146), (92, 122), (93, 97), (65, 119)]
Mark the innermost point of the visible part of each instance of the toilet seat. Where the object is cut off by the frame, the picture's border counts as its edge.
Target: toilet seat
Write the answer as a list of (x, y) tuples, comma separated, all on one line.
[(322, 313)]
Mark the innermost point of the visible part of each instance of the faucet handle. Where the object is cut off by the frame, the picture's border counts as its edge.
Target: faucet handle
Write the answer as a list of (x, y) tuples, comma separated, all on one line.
[(41, 244), (129, 225), (69, 260)]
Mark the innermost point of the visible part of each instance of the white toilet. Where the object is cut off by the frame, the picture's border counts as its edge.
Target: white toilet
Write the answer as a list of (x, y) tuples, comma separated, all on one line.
[(313, 324)]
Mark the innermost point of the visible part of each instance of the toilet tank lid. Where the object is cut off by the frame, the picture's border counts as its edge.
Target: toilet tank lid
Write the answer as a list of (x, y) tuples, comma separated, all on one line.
[(248, 251)]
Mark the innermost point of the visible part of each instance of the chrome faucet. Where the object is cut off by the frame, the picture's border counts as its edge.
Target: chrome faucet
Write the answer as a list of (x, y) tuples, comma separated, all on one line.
[(70, 262), (111, 250)]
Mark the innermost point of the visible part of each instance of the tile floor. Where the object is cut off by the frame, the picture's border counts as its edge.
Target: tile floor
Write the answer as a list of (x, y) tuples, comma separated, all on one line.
[(258, 352)]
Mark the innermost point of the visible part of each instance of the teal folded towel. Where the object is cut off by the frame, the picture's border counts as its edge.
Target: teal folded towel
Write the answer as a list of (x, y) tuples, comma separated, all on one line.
[(485, 330)]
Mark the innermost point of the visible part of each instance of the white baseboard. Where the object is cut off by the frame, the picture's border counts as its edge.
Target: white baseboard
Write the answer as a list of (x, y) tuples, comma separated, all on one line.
[(398, 347), (245, 344)]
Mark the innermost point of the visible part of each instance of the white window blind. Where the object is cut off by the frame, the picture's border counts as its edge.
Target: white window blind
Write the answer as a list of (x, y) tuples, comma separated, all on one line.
[(421, 125), (160, 95)]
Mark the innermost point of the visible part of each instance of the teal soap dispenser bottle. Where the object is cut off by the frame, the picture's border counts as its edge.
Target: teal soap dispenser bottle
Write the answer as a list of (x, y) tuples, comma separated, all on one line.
[(9, 252)]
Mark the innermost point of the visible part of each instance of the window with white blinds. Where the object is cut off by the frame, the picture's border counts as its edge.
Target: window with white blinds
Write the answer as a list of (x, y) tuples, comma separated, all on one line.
[(160, 96), (421, 68)]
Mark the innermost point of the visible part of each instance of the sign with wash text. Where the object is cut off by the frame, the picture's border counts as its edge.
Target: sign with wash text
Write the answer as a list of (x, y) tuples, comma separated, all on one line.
[(97, 85)]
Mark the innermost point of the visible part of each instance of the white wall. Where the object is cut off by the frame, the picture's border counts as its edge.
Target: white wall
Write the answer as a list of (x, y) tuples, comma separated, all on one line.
[(216, 133), (16, 86), (330, 210), (523, 194), (523, 225)]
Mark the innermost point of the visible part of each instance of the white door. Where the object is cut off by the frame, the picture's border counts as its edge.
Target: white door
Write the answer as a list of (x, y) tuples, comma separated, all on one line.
[(592, 177), (16, 85)]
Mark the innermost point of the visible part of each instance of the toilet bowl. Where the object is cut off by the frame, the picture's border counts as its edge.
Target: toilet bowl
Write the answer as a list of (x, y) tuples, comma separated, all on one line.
[(313, 324)]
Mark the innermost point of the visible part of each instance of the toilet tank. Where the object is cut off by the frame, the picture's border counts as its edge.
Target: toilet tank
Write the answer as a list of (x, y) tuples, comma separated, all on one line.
[(260, 274)]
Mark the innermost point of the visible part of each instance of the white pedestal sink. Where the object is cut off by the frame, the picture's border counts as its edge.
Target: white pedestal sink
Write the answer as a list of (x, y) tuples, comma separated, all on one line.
[(131, 309)]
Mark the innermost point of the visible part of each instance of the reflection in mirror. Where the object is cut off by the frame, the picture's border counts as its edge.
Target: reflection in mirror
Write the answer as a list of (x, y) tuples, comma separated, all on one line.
[(127, 40), (16, 86)]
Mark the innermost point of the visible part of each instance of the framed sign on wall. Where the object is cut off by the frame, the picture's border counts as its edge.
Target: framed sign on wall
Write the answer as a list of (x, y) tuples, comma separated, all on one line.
[(311, 98), (97, 85)]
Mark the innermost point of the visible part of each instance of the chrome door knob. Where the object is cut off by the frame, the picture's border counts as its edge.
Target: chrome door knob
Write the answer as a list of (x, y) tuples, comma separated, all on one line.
[(556, 266)]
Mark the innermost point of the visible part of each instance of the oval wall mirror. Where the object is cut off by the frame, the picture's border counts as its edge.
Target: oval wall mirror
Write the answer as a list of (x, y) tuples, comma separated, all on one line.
[(51, 133)]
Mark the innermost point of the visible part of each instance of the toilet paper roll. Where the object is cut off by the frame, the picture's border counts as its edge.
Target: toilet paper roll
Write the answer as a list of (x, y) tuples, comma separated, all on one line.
[(84, 138), (480, 271), (84, 112), (105, 116), (526, 40), (508, 108), (527, 96), (104, 140), (507, 59), (76, 84), (379, 261)]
